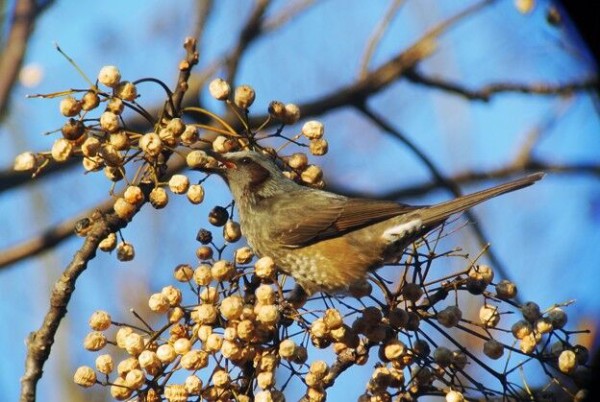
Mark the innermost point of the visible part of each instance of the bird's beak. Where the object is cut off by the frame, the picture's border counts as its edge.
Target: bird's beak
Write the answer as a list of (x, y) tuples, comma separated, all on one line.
[(223, 163)]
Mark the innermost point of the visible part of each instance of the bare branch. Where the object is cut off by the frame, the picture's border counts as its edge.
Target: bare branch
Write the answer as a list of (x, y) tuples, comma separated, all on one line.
[(286, 15), (39, 343), (377, 35), (251, 30), (23, 18), (486, 93)]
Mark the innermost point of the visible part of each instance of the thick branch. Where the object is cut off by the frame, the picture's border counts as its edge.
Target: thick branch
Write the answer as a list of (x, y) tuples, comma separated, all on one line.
[(39, 343)]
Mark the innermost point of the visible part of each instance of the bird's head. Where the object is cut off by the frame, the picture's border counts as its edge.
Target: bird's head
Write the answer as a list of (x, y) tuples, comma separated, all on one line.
[(251, 175)]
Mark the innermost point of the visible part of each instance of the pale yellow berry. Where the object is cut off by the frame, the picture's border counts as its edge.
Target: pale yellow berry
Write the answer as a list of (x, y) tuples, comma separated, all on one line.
[(85, 376), (319, 369), (489, 316), (119, 390), (121, 335), (182, 346), (125, 366), (90, 146), (90, 100), (158, 197), (179, 183), (166, 353), (220, 378), (205, 314), (176, 393), (189, 135), (26, 161), (202, 275), (287, 348), (291, 114), (231, 307), (125, 251), (394, 349), (94, 341), (313, 130), (62, 150), (318, 328), (173, 295), (454, 396), (230, 349), (150, 362), (297, 161), (99, 320), (524, 6), (126, 90), (450, 316), (312, 174), (195, 193), (69, 106), (108, 243), (265, 379), (134, 344), (123, 209), (158, 303), (194, 360), (245, 330), (268, 314), (209, 295), (151, 144), (528, 343), (176, 314), (277, 110), (223, 144), (265, 294), (264, 396), (193, 385), (333, 319), (219, 89), (265, 268), (115, 105), (183, 273), (222, 270), (506, 289), (119, 140), (318, 147), (231, 231), (567, 361), (133, 195), (244, 96), (109, 122), (109, 76), (213, 343), (196, 159), (493, 349), (521, 329), (104, 364), (92, 164), (135, 379), (543, 325), (243, 255), (110, 155)]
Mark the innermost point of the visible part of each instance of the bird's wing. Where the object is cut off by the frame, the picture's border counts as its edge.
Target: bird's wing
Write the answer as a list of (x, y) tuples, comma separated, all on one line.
[(304, 217)]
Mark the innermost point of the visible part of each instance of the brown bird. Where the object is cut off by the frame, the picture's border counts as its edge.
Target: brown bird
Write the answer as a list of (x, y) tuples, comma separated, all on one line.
[(327, 241)]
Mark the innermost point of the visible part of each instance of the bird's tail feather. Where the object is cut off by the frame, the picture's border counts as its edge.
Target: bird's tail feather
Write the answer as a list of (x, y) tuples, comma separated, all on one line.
[(440, 212)]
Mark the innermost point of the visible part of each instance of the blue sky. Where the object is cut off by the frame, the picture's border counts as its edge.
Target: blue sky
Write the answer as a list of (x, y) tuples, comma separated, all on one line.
[(545, 235)]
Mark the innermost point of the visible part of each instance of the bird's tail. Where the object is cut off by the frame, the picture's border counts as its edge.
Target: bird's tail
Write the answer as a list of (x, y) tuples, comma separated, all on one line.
[(440, 212)]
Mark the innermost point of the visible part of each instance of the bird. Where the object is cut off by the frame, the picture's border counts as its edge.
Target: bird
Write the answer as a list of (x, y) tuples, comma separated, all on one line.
[(326, 241)]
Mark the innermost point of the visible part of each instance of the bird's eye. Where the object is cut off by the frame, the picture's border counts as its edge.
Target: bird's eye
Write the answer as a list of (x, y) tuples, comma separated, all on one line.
[(245, 161)]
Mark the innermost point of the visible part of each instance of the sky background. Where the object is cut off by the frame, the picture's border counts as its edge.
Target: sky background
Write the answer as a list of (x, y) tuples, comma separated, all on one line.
[(546, 236)]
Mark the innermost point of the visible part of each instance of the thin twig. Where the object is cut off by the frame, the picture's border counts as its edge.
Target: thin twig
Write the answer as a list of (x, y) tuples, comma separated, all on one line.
[(377, 35)]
